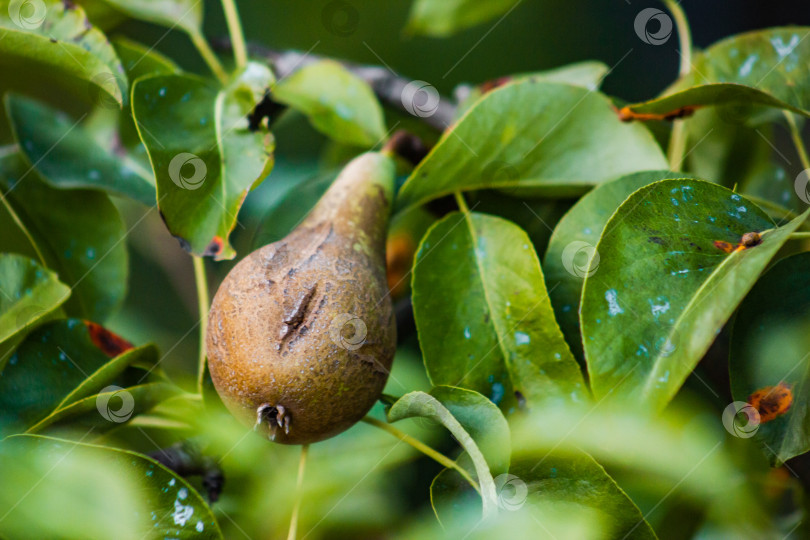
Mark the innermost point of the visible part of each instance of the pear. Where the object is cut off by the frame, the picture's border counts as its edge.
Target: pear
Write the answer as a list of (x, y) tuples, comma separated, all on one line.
[(301, 332)]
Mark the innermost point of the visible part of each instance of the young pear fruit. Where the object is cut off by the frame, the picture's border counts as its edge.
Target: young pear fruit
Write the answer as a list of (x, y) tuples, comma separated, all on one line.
[(301, 332)]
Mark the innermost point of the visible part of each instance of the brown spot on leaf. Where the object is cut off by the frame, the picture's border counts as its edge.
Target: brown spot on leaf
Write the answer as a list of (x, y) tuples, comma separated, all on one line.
[(492, 84), (772, 401), (626, 114), (111, 344), (726, 247), (656, 240), (214, 247)]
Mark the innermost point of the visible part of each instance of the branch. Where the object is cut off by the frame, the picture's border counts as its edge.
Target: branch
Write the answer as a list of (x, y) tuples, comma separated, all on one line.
[(387, 85)]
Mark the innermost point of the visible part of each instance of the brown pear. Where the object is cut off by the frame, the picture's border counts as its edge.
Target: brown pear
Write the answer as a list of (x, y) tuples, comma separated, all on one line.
[(301, 333)]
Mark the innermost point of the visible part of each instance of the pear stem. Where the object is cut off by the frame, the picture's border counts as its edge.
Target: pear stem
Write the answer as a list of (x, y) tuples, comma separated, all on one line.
[(425, 449), (202, 306), (299, 493)]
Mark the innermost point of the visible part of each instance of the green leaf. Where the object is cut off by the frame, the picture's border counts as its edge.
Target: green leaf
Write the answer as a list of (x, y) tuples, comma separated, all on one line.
[(574, 241), (441, 18), (59, 362), (338, 103), (422, 405), (534, 138), (107, 409), (139, 60), (769, 345), (152, 500), (203, 154), (482, 420), (291, 209), (86, 247), (484, 318), (67, 156), (680, 449), (765, 67), (488, 428), (184, 14), (57, 37), (29, 294), (576, 480), (652, 308), (588, 74)]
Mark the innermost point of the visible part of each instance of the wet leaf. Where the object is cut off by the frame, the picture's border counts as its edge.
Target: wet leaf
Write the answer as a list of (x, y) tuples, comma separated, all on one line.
[(67, 155), (338, 103), (769, 345), (666, 285), (205, 157), (86, 248), (422, 405), (441, 18), (55, 37), (491, 327), (153, 500), (573, 243), (540, 139), (765, 67), (29, 294), (57, 364)]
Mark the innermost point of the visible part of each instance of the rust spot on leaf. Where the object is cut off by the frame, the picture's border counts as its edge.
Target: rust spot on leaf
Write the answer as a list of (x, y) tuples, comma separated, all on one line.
[(626, 114), (214, 247), (772, 401), (111, 344), (726, 247), (747, 241), (492, 84)]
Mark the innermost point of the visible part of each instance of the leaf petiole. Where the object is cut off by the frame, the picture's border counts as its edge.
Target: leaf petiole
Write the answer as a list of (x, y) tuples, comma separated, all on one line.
[(202, 304), (425, 449), (208, 55)]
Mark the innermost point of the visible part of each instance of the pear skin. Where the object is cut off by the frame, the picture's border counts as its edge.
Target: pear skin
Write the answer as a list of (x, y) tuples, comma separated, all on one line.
[(301, 332)]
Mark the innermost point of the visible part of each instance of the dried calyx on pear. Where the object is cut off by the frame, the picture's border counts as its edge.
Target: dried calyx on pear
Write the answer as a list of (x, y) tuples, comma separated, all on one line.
[(301, 333)]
